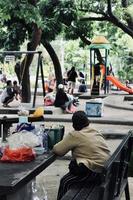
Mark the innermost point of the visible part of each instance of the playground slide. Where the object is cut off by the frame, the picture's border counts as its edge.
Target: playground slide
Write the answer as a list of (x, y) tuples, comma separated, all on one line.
[(118, 84)]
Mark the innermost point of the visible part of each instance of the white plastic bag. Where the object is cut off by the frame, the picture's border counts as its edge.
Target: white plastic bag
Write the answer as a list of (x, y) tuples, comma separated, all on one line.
[(23, 138), (38, 191)]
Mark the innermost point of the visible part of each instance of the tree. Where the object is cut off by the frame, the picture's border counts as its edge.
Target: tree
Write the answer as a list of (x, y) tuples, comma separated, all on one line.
[(97, 17), (41, 21), (108, 10), (25, 16), (22, 16)]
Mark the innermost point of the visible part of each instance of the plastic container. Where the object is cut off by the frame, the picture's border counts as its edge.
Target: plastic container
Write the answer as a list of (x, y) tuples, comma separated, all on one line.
[(45, 141), (3, 146), (94, 109), (40, 135)]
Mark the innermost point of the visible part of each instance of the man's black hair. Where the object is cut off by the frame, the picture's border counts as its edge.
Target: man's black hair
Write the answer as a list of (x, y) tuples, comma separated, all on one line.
[(80, 120)]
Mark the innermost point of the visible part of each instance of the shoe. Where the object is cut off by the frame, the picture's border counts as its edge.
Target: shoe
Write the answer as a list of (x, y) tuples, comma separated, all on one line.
[(6, 106), (68, 111)]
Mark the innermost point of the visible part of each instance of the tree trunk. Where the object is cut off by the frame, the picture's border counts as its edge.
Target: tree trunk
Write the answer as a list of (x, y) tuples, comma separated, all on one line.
[(25, 78), (55, 60)]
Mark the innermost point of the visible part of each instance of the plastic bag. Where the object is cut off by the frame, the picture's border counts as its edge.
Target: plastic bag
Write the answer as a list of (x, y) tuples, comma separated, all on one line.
[(22, 111), (23, 154), (22, 139), (55, 135), (38, 191), (25, 126), (49, 99)]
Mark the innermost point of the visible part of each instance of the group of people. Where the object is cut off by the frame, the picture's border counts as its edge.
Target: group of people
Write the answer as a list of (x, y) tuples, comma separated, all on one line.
[(62, 96), (11, 91), (70, 80)]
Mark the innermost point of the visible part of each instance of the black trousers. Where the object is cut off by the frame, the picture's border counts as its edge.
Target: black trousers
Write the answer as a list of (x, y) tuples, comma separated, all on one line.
[(8, 99), (77, 174)]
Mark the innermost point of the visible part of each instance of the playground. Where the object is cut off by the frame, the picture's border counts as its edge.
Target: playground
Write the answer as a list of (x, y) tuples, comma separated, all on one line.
[(101, 71)]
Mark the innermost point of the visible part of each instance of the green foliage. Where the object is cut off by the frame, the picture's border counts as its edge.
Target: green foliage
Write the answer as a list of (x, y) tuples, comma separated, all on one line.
[(129, 11), (61, 16), (66, 12), (77, 29), (121, 74), (75, 55)]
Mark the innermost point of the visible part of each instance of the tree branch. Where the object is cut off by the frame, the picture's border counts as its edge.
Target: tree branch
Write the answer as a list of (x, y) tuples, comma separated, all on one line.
[(88, 42), (84, 39), (124, 3), (94, 19), (109, 6), (32, 2), (113, 19)]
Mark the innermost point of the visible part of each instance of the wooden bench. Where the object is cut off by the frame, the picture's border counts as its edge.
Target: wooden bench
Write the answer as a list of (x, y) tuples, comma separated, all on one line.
[(113, 180)]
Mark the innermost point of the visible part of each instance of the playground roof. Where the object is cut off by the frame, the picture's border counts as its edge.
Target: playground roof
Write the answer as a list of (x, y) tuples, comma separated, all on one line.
[(99, 46), (99, 42)]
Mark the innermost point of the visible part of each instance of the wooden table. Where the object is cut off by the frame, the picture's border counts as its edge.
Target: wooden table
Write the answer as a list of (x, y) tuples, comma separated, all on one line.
[(15, 176)]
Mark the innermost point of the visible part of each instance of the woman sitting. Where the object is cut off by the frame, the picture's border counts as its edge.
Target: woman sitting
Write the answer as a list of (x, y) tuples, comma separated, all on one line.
[(62, 100)]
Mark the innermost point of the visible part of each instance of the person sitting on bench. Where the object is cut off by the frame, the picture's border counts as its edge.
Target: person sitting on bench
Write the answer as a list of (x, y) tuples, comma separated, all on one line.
[(89, 152), (62, 100)]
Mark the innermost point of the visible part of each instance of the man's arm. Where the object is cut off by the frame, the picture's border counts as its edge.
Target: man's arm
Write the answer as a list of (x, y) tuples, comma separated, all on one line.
[(64, 146)]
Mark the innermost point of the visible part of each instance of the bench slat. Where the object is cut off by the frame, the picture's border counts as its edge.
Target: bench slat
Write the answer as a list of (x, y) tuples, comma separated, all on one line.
[(94, 195), (71, 193), (85, 191)]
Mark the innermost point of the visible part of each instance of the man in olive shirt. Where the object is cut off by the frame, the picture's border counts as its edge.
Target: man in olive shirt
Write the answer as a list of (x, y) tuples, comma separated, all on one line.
[(89, 152)]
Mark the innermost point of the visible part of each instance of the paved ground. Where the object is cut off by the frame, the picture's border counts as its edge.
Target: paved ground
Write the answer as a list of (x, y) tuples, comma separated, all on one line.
[(116, 119)]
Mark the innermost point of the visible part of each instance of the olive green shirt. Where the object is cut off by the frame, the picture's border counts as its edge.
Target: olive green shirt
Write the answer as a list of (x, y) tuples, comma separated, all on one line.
[(88, 147)]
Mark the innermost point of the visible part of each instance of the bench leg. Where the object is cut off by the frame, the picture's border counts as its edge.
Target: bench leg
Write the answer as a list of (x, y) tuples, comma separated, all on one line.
[(127, 194)]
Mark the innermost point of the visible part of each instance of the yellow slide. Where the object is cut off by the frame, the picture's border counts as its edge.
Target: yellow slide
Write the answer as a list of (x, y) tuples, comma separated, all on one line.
[(118, 84)]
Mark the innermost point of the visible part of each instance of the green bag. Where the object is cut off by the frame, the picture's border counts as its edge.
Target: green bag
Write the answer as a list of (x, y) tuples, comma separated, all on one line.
[(55, 135)]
